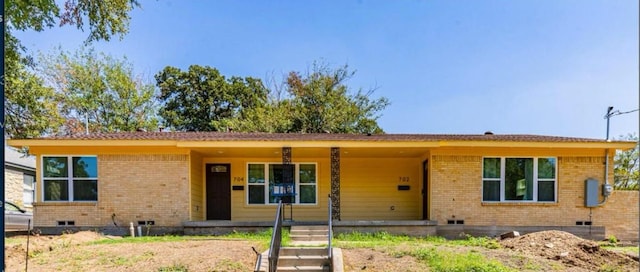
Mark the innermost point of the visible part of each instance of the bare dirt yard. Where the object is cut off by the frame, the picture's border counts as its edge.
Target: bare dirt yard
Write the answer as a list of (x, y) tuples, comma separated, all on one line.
[(543, 251)]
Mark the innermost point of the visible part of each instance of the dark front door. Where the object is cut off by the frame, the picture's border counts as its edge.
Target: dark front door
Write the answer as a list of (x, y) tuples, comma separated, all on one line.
[(425, 190), (218, 192)]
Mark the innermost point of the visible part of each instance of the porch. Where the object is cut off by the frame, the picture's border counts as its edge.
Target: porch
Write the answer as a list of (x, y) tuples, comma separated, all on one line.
[(405, 227)]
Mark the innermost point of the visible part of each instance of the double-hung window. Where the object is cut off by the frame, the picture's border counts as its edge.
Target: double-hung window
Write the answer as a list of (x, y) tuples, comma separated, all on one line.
[(266, 180), (28, 189), (519, 179), (70, 178)]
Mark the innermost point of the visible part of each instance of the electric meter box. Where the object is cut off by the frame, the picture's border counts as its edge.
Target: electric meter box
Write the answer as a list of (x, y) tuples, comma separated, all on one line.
[(591, 197)]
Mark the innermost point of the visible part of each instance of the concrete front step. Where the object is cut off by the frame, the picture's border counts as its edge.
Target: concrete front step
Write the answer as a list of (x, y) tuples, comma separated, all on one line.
[(303, 251), (318, 238), (303, 261), (304, 268), (315, 232), (315, 227), (304, 255), (309, 235)]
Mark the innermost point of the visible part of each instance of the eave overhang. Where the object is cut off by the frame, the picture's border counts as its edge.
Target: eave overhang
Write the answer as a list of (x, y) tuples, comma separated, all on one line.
[(313, 144)]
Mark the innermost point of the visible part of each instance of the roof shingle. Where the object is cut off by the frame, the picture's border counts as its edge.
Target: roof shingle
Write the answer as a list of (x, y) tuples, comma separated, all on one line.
[(241, 136)]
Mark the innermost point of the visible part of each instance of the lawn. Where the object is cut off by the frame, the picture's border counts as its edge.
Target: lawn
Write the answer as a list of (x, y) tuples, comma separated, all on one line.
[(362, 252)]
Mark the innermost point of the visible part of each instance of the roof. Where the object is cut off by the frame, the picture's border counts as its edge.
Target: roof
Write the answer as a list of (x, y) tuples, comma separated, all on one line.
[(312, 140), (241, 136), (17, 159)]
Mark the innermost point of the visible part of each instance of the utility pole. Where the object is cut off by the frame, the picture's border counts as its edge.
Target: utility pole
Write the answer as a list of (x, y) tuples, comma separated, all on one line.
[(610, 113)]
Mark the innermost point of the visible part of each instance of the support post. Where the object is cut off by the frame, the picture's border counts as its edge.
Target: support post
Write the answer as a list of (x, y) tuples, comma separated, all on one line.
[(335, 182), (288, 178)]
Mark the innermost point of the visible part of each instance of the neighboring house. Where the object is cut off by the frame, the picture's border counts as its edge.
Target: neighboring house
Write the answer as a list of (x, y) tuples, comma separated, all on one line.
[(200, 182), (19, 178)]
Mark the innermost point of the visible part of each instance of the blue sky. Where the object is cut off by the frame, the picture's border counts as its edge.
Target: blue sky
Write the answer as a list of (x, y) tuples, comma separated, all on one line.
[(547, 67)]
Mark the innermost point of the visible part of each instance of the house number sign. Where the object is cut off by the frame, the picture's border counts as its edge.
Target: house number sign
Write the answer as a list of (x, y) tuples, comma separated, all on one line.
[(404, 179)]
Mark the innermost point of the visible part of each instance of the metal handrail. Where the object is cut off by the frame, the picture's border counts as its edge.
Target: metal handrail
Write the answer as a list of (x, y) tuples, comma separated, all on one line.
[(276, 240), (330, 228)]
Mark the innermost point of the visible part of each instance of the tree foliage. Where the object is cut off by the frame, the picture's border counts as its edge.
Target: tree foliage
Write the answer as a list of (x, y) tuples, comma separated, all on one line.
[(100, 90), (25, 96), (30, 107), (318, 102), (105, 19), (202, 99), (626, 167)]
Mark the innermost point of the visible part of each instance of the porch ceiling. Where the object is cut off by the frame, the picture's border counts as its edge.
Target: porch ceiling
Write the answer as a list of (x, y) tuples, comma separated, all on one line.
[(314, 152)]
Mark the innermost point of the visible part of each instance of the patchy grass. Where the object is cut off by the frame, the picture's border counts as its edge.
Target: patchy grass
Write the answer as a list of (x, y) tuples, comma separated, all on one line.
[(631, 250), (430, 250), (364, 240), (469, 240), (174, 268), (264, 236), (443, 260), (252, 236), (228, 265)]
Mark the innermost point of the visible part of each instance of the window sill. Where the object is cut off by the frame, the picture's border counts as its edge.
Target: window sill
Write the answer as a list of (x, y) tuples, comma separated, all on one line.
[(272, 205), (519, 203), (65, 203)]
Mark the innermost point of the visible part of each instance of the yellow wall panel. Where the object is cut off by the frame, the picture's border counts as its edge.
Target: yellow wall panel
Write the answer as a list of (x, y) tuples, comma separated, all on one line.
[(369, 188), (196, 187), (241, 211)]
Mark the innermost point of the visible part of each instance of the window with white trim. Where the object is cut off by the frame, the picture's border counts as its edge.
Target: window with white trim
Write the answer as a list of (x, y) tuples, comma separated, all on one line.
[(519, 179), (265, 180), (28, 189), (70, 178)]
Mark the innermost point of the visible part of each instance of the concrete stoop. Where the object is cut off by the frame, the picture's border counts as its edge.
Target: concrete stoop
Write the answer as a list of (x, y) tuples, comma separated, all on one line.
[(313, 256), (310, 259), (309, 235), (303, 259)]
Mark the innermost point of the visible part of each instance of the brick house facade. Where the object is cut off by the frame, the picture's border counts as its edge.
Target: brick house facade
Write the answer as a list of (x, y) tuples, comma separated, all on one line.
[(172, 178)]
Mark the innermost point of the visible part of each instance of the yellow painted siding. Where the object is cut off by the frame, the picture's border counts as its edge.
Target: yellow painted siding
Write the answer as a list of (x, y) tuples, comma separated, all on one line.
[(196, 187), (369, 189), (241, 211)]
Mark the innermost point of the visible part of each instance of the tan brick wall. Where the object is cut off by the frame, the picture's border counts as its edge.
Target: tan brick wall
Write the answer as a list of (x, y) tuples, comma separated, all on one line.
[(134, 188), (13, 181), (620, 215), (456, 193)]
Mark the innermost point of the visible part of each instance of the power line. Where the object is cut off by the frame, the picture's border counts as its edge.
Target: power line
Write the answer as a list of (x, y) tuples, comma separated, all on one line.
[(610, 113)]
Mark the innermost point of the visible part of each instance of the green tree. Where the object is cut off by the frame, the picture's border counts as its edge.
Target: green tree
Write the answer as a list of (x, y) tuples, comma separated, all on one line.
[(100, 90), (318, 102), (626, 166), (105, 19), (25, 96), (201, 99), (30, 107)]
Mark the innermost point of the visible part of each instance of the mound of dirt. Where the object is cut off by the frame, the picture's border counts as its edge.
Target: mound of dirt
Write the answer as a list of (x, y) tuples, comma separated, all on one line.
[(569, 249)]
